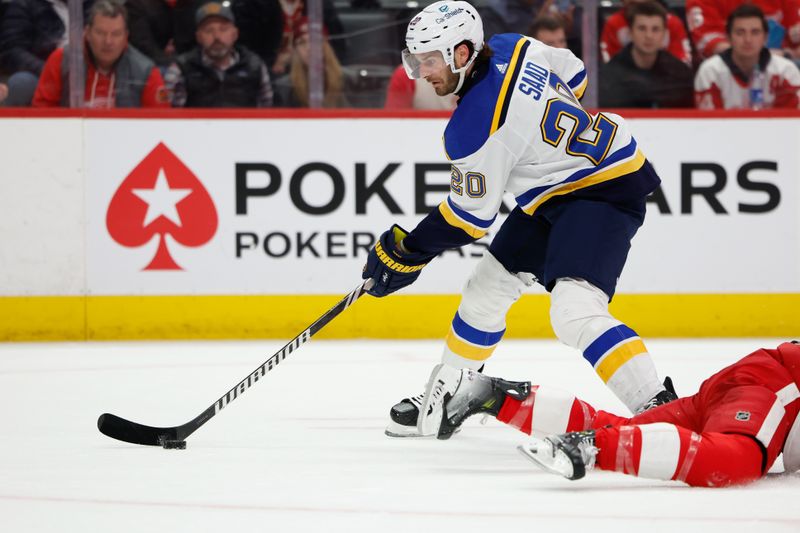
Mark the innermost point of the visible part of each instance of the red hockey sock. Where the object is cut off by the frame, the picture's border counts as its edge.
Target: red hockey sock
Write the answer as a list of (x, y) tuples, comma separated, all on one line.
[(518, 413), (665, 451), (546, 411)]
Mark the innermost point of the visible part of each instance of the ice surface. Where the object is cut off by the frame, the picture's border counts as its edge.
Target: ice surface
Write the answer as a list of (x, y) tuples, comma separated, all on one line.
[(304, 449)]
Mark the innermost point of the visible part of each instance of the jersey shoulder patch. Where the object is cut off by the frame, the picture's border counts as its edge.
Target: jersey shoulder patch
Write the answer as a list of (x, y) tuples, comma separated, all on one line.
[(482, 110)]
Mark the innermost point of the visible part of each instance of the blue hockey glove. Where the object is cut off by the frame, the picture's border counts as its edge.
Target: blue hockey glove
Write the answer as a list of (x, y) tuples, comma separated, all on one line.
[(391, 265)]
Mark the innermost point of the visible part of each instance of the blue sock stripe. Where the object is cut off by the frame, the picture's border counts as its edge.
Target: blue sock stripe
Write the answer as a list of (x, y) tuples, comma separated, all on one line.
[(606, 341), (475, 336)]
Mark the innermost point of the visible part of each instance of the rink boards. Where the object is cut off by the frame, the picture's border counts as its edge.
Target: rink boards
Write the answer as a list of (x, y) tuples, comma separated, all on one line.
[(231, 225)]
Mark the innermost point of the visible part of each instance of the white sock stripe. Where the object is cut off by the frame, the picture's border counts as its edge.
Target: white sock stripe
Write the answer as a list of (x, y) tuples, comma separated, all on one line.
[(661, 449), (788, 394), (691, 453), (771, 422), (783, 397), (551, 411)]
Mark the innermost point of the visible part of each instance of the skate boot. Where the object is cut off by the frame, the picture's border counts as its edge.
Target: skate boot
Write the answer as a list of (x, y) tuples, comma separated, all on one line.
[(444, 380), (476, 394), (569, 454), (665, 396), (403, 417), (425, 410)]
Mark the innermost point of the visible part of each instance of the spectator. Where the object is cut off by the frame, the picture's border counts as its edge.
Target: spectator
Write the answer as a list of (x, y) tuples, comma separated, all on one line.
[(706, 20), (508, 16), (3, 92), (217, 72), (162, 29), (29, 32), (515, 16), (726, 80), (642, 74), (616, 35), (295, 15), (21, 86), (549, 29), (405, 93), (292, 89), (260, 24), (117, 74)]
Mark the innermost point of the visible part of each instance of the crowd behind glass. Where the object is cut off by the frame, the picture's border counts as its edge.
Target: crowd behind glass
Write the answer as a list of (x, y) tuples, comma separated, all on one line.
[(709, 54)]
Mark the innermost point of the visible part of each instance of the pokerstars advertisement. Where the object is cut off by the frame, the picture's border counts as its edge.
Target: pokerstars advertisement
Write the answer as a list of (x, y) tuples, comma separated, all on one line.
[(292, 206), (257, 207)]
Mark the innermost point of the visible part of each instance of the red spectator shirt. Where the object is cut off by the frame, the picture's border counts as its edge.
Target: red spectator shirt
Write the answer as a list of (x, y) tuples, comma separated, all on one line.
[(400, 92), (405, 93), (616, 36), (99, 91), (720, 85), (706, 20)]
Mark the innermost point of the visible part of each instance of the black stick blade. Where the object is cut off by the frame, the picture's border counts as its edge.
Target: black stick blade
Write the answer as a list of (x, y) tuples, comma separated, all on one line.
[(127, 431)]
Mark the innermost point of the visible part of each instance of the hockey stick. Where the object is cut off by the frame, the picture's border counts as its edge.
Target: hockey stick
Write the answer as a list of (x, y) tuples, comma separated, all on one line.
[(125, 430)]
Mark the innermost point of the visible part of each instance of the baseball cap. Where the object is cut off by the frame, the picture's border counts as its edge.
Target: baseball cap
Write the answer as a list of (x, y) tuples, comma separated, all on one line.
[(214, 9)]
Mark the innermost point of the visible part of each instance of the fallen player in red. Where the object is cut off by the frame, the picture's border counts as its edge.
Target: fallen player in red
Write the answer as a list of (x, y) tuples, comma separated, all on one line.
[(730, 432)]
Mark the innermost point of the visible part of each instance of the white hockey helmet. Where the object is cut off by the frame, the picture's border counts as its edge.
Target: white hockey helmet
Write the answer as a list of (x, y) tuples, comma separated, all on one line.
[(441, 27)]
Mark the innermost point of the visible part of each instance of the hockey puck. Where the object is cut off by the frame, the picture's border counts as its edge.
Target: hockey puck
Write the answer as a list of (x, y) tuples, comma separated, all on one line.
[(174, 444)]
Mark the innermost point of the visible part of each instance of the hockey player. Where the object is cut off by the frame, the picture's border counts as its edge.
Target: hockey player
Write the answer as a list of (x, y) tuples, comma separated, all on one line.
[(747, 75), (730, 432), (580, 183)]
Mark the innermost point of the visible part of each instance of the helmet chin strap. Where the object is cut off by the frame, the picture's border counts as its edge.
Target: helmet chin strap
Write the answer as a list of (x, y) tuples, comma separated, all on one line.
[(462, 72), (461, 77)]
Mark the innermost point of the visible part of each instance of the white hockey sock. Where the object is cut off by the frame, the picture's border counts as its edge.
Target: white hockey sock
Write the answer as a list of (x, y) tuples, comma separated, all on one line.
[(479, 324), (580, 318)]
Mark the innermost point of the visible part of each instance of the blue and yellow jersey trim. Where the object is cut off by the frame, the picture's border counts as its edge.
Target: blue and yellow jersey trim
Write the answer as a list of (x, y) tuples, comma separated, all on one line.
[(455, 216), (578, 84), (621, 163), (483, 109), (613, 349), (471, 343), (515, 66)]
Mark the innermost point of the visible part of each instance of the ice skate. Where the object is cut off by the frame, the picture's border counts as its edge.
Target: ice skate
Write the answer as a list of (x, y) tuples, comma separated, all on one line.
[(665, 396), (569, 454), (444, 380), (477, 393), (405, 419)]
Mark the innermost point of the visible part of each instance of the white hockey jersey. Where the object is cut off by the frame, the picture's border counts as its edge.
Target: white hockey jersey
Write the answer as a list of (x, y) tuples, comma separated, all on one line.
[(719, 84), (520, 128)]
